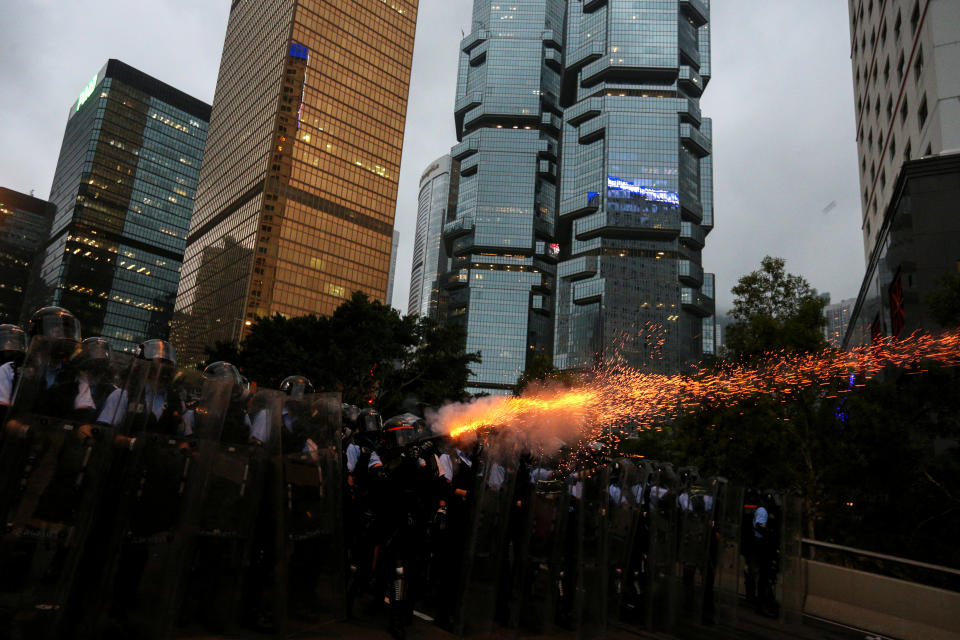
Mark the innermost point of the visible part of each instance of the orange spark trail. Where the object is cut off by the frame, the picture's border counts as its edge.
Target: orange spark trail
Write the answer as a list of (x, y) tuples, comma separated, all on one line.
[(618, 396)]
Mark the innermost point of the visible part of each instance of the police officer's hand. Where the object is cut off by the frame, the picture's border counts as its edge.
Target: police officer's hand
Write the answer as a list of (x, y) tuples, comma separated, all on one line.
[(124, 442), (16, 429), (85, 432)]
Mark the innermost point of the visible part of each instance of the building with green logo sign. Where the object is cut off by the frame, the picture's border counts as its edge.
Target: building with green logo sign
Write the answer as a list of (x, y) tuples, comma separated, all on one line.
[(124, 189)]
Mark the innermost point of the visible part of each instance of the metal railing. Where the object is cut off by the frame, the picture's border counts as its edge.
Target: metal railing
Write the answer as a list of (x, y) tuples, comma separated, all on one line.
[(933, 575)]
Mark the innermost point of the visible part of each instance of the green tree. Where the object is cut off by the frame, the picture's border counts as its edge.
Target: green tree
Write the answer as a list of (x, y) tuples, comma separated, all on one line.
[(541, 369), (775, 310), (366, 350), (944, 301)]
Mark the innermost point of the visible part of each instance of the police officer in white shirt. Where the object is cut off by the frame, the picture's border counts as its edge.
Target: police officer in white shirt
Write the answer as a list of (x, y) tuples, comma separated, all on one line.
[(13, 348), (53, 333)]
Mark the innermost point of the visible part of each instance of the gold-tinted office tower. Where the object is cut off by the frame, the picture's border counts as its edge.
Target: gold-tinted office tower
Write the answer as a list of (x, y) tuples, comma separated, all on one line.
[(298, 186)]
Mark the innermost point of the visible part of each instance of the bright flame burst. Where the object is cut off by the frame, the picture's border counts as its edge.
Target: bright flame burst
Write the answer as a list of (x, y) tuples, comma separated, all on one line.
[(618, 396)]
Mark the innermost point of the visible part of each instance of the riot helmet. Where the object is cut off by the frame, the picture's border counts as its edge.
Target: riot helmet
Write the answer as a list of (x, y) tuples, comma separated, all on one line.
[(13, 343), (92, 356), (402, 430), (296, 386), (157, 350), (163, 359), (58, 326), (229, 374), (369, 421)]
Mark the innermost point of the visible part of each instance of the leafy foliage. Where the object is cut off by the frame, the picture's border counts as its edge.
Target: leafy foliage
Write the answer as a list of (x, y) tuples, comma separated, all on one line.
[(541, 369), (775, 310), (365, 350), (876, 461)]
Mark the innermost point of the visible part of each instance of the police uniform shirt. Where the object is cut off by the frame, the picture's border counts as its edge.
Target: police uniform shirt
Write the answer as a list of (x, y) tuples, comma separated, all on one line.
[(444, 466), (760, 517), (353, 454), (259, 426), (464, 458), (684, 502), (616, 495), (637, 490), (496, 476), (540, 473), (114, 408), (656, 493), (188, 419), (7, 375), (155, 401)]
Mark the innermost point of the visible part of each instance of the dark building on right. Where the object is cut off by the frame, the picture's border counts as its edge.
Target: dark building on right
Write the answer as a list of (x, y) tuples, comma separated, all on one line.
[(906, 77), (918, 244)]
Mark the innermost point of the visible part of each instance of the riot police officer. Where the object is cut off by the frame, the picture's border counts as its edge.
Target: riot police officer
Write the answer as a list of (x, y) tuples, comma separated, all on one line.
[(765, 532), (54, 328), (163, 408), (13, 348), (96, 399), (236, 426)]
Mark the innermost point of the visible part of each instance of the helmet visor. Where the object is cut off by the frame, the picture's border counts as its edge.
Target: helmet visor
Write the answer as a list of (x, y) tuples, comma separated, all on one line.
[(93, 349), (12, 338), (158, 350), (59, 326)]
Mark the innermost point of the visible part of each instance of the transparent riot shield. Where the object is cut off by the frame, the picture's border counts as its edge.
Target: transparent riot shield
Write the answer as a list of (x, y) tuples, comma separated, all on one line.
[(624, 516), (540, 586), (483, 558), (63, 432), (591, 551), (730, 564), (231, 573), (662, 579), (636, 591), (312, 585), (697, 550), (158, 504)]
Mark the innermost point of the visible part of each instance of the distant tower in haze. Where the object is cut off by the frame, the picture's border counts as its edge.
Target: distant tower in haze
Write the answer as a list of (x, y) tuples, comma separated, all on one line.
[(436, 202), (297, 194)]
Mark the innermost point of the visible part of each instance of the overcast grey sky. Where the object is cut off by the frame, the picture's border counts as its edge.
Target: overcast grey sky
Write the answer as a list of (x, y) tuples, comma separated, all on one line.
[(781, 99)]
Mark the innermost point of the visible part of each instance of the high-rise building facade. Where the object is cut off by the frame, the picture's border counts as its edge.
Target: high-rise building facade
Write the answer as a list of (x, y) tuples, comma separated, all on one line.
[(502, 239), (436, 202), (124, 189), (582, 142), (636, 196), (838, 319), (906, 77), (24, 226), (297, 193), (394, 246)]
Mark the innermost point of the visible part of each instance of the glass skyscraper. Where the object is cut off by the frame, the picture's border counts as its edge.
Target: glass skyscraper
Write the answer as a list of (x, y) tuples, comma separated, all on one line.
[(124, 188), (582, 142), (636, 199), (297, 194), (501, 242), (435, 203)]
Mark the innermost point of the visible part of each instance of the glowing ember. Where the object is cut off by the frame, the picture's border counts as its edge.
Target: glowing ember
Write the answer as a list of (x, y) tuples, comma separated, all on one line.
[(617, 397)]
